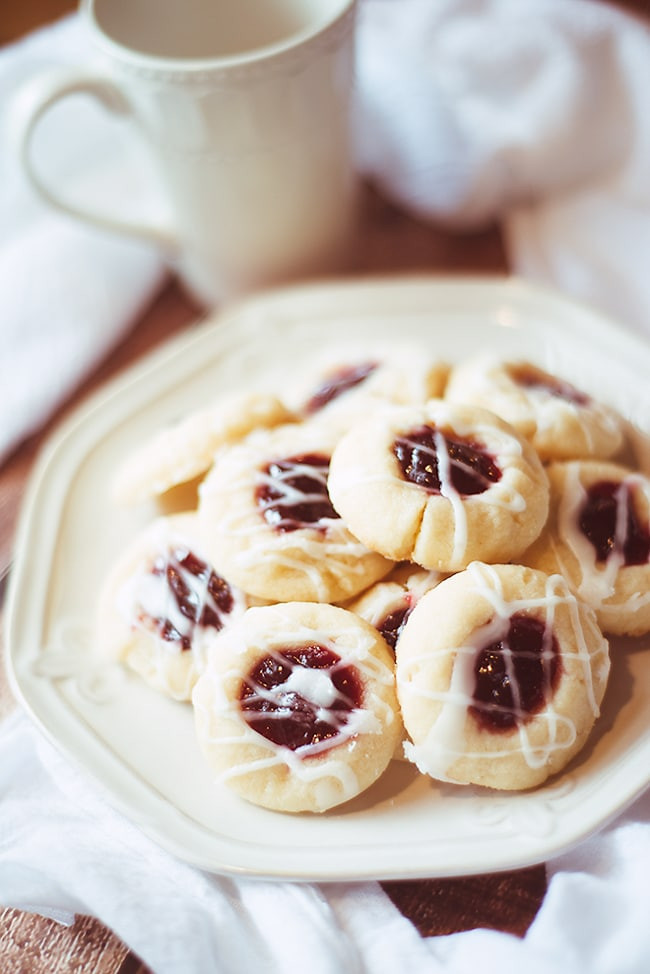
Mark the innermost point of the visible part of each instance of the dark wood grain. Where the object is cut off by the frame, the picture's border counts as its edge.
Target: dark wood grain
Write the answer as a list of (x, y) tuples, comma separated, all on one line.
[(31, 944), (504, 901)]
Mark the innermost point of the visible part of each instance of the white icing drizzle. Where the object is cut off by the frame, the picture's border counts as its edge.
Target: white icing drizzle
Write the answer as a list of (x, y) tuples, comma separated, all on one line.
[(333, 776), (447, 489), (325, 547), (145, 601), (398, 601), (445, 741), (420, 582), (312, 556), (290, 496), (506, 448), (598, 580), (392, 596), (551, 408), (314, 685)]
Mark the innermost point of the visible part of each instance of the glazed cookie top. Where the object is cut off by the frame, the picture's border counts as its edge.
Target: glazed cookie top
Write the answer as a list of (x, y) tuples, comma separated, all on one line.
[(185, 449), (270, 525), (387, 604), (297, 708), (598, 536), (341, 380), (500, 674), (561, 421), (439, 484), (164, 603)]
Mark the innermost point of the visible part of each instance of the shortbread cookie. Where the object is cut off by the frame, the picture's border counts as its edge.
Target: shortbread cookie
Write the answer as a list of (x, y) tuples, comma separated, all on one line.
[(347, 380), (163, 604), (440, 485), (561, 422), (598, 537), (297, 710), (180, 452), (269, 524), (386, 605), (500, 674)]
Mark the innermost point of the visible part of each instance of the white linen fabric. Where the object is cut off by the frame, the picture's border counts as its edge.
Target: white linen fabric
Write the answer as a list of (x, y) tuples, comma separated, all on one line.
[(70, 293), (63, 850), (531, 113), (467, 110)]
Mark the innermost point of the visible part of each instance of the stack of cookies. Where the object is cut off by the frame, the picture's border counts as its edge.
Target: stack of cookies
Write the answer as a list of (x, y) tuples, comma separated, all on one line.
[(400, 558)]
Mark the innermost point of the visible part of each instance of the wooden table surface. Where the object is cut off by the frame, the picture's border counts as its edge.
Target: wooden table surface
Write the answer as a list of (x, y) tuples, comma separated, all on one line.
[(389, 242)]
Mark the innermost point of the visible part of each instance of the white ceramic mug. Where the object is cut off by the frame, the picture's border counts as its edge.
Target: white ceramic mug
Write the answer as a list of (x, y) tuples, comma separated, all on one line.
[(244, 107)]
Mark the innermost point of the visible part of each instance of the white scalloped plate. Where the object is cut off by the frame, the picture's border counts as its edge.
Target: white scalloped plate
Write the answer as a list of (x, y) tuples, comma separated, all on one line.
[(141, 747)]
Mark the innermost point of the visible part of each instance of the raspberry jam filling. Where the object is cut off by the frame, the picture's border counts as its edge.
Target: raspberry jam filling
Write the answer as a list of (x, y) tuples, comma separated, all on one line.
[(294, 493), (338, 383), (609, 520), (531, 378), (514, 677), (471, 469), (186, 594), (300, 696), (391, 625)]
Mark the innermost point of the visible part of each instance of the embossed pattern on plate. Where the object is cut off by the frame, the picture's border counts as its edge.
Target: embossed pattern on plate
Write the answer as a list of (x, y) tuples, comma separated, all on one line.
[(140, 747)]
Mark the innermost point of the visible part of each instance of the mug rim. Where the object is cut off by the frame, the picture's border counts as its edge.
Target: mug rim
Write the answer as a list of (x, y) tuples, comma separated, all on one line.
[(218, 63)]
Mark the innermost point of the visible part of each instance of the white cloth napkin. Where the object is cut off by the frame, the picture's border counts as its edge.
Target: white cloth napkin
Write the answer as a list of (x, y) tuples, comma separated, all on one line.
[(69, 293), (64, 850), (534, 113), (466, 110)]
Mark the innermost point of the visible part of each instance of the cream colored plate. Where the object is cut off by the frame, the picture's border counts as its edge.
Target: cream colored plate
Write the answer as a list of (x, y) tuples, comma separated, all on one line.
[(141, 747)]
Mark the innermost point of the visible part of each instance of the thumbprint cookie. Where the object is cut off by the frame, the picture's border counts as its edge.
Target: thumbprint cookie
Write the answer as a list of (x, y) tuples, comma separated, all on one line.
[(179, 453), (162, 605), (562, 422), (386, 605), (296, 710), (269, 523), (598, 537), (344, 381), (439, 484), (500, 675)]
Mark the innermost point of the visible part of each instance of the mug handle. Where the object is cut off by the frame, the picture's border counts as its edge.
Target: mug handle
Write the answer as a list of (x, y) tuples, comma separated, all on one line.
[(35, 100)]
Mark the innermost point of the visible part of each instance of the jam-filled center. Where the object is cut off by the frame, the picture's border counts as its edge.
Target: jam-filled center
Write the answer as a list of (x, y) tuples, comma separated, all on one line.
[(392, 624), (608, 518), (300, 696), (338, 383), (515, 675), (180, 593), (294, 493), (535, 379), (441, 463)]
